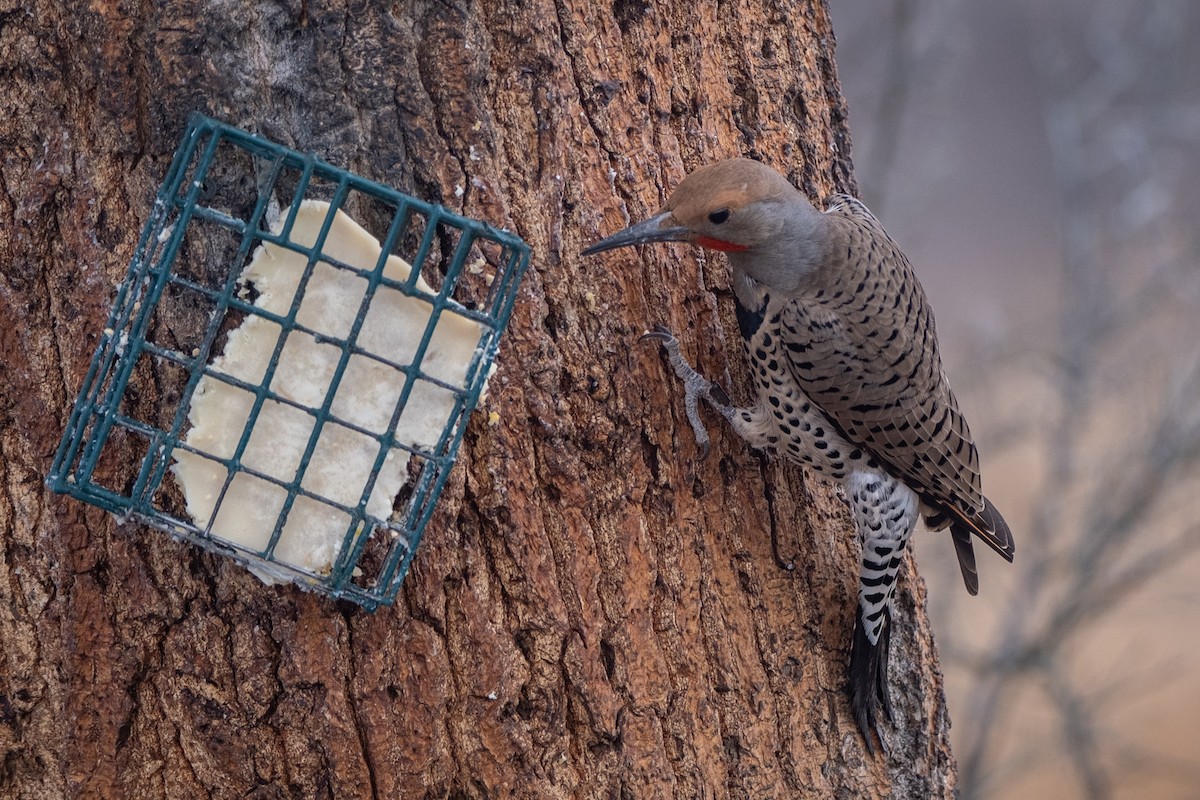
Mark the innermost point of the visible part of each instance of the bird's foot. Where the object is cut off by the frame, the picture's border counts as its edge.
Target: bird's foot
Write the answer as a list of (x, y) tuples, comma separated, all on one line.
[(868, 683), (695, 386)]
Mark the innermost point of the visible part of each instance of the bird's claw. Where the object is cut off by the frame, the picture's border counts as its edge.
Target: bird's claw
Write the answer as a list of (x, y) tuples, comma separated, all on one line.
[(661, 333), (694, 385)]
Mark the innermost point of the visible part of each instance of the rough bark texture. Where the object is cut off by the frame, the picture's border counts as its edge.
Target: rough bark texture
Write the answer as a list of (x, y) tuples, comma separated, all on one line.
[(594, 612)]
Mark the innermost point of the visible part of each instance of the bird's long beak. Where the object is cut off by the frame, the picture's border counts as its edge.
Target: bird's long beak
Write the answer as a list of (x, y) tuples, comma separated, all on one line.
[(658, 228)]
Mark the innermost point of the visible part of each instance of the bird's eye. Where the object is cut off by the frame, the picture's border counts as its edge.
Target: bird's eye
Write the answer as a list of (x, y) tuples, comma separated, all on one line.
[(719, 216)]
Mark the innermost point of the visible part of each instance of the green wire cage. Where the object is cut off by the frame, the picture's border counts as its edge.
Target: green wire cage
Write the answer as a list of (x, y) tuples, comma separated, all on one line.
[(289, 365)]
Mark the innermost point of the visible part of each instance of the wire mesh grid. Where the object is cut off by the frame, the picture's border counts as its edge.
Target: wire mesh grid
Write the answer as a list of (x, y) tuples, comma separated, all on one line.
[(271, 356)]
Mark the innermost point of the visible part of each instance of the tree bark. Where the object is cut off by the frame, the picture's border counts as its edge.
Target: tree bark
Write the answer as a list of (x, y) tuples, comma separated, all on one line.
[(595, 611)]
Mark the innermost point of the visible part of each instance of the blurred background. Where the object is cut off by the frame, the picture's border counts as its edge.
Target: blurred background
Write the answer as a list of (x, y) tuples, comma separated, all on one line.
[(1039, 162)]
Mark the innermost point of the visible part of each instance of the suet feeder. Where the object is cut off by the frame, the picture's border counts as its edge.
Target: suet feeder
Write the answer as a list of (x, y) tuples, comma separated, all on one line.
[(289, 365)]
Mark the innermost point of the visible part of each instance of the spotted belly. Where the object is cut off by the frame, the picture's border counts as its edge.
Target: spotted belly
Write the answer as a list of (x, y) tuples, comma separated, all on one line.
[(790, 425)]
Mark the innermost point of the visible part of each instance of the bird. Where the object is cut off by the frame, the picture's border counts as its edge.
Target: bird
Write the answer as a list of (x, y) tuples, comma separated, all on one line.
[(848, 381)]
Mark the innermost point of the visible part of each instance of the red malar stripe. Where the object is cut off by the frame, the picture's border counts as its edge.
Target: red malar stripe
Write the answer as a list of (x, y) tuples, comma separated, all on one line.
[(720, 244)]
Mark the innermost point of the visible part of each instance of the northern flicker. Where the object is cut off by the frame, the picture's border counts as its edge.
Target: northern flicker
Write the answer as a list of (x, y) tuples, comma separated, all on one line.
[(849, 381)]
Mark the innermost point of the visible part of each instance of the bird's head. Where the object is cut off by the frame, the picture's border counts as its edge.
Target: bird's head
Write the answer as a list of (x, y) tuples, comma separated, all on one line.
[(741, 207)]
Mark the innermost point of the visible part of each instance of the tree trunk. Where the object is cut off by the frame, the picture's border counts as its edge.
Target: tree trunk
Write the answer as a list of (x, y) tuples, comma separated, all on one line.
[(594, 612)]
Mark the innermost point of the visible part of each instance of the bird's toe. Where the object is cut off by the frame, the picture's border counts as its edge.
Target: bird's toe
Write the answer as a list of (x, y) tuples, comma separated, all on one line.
[(660, 333)]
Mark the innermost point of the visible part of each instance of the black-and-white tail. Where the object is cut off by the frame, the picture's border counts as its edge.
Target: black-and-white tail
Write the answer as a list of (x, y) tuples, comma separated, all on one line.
[(885, 513)]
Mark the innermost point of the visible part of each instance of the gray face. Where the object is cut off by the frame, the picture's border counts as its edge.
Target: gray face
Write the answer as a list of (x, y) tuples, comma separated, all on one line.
[(770, 231), (791, 242)]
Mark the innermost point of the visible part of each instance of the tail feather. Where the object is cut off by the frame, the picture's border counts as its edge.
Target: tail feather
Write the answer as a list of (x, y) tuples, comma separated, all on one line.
[(868, 681), (988, 525), (961, 536)]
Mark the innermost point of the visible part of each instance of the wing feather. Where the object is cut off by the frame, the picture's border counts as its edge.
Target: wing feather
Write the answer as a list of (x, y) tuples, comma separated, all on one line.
[(867, 354)]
